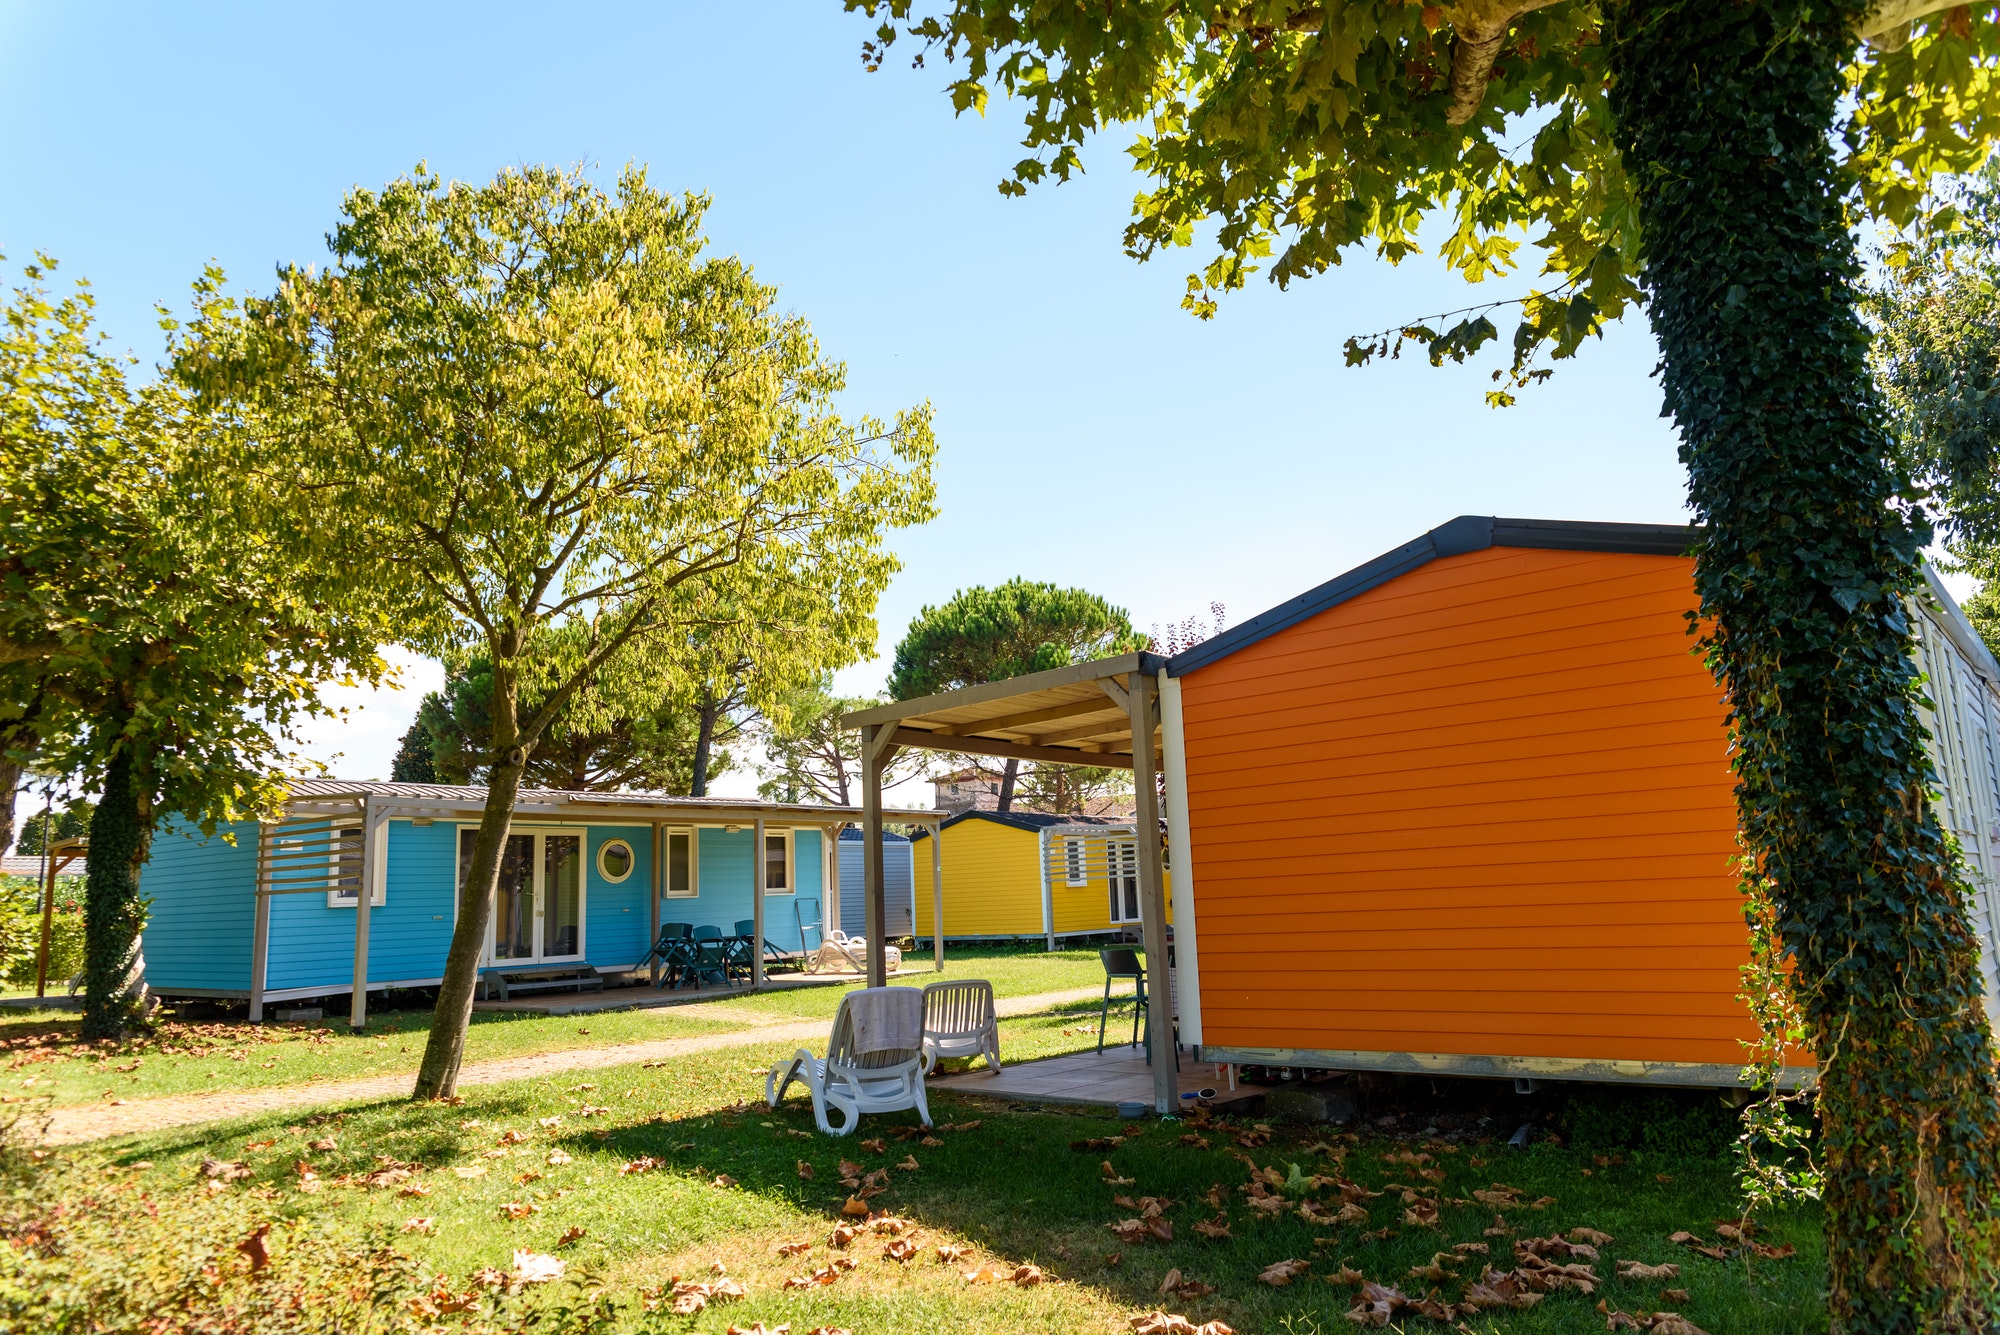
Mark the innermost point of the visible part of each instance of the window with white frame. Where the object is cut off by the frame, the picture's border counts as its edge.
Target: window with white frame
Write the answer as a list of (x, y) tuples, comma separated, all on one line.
[(346, 870), (1076, 862), (777, 862), (682, 879), (1124, 858)]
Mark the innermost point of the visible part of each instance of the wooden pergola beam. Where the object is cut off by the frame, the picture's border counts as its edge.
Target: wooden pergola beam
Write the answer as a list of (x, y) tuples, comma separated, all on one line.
[(922, 740), (1018, 722)]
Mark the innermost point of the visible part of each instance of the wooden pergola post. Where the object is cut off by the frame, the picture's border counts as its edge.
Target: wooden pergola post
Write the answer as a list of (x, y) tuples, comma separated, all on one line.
[(757, 864), (1142, 703), (373, 826), (937, 893), (260, 923), (875, 753)]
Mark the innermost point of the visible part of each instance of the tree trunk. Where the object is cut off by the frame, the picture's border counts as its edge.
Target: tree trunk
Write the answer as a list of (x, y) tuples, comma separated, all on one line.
[(10, 785), (1008, 773), (113, 914), (1723, 114), (444, 1050), (704, 740)]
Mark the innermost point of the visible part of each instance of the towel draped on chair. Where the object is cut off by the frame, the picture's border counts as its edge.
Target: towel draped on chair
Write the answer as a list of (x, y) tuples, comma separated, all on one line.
[(886, 1018)]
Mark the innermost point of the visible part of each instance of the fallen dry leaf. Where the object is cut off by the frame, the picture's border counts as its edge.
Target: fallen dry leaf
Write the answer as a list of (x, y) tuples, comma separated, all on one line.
[(518, 1209), (414, 1191), (1765, 1251), (902, 1249), (1026, 1275), (909, 1163), (645, 1163), (470, 1170), (988, 1273), (420, 1224), (1643, 1271), (256, 1248), (759, 1328), (323, 1143), (1422, 1213), (856, 1208), (1280, 1273), (556, 1159), (951, 1254), (875, 1146), (723, 1180), (1213, 1229), (805, 1171), (574, 1233), (794, 1248), (1592, 1236)]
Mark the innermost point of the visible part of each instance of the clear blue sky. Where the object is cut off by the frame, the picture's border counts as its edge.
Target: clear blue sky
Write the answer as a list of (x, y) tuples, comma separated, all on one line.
[(1092, 433)]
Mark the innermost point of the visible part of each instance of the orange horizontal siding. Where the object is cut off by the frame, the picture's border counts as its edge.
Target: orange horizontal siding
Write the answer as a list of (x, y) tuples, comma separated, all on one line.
[(1485, 809)]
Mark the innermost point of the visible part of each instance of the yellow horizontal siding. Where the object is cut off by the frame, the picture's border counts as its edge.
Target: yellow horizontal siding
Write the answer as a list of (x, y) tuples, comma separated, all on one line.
[(992, 883)]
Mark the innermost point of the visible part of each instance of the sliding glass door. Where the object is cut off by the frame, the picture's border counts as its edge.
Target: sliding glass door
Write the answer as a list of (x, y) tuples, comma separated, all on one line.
[(539, 902)]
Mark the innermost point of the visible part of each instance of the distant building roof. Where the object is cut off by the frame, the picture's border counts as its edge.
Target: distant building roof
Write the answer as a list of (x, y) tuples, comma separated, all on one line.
[(1023, 820)]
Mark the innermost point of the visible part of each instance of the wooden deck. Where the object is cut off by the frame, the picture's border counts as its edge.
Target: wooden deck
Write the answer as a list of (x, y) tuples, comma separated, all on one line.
[(1119, 1075)]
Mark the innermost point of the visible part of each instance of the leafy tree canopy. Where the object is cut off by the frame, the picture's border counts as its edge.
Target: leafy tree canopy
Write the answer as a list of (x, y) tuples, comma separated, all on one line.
[(450, 740), (1291, 131), (156, 643), (809, 757), (559, 436), (985, 634)]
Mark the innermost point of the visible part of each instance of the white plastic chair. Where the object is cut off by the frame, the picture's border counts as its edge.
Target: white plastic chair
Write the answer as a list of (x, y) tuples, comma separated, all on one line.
[(852, 1083), (960, 1021), (854, 951)]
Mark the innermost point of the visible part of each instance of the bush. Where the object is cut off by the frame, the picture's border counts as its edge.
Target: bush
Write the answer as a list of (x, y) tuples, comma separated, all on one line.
[(1678, 1124), (21, 931)]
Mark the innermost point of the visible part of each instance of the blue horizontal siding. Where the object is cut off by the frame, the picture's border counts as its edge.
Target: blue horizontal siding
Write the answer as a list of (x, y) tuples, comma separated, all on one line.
[(615, 920), (201, 914)]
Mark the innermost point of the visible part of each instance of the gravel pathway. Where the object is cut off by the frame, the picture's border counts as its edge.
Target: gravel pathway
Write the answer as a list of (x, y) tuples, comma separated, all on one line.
[(93, 1121)]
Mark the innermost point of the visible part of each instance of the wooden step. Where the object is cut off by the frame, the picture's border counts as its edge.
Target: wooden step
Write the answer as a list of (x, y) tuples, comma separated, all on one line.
[(576, 977)]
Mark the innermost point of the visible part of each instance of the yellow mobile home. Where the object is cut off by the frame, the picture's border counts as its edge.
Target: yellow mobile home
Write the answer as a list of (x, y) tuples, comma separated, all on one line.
[(1014, 874)]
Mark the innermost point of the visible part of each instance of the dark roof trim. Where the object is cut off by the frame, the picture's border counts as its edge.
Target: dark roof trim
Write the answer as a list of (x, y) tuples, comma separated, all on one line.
[(1031, 821), (1467, 533)]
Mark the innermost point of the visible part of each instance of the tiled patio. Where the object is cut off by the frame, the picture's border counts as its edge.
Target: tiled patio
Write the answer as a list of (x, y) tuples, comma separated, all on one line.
[(1119, 1075)]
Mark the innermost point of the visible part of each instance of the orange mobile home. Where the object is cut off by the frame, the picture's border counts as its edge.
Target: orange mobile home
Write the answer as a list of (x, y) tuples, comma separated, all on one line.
[(1468, 809)]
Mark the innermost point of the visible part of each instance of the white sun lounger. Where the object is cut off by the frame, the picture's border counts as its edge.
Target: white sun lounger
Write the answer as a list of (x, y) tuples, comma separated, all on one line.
[(849, 1081), (960, 1021)]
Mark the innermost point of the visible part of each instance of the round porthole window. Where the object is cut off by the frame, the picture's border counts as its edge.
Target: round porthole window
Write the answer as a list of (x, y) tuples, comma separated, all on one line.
[(615, 860)]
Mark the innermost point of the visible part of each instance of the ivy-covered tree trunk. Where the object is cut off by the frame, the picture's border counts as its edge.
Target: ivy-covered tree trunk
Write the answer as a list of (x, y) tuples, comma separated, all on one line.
[(112, 913), (1723, 112)]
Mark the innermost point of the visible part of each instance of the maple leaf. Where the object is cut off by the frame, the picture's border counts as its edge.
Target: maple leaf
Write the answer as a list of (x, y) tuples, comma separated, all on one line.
[(1346, 1274), (323, 1143), (420, 1224), (820, 1330), (1437, 1269), (759, 1328), (794, 1248), (1766, 1252), (902, 1249), (842, 1234), (875, 1146), (644, 1163), (1592, 1236), (1213, 1229), (856, 1208), (518, 1209), (225, 1170), (1280, 1273), (1199, 1142), (988, 1273), (1497, 1289), (951, 1254), (511, 1137), (574, 1233), (887, 1225), (1111, 1177), (723, 1180), (850, 1172), (1499, 1197), (909, 1163), (256, 1247), (557, 1159)]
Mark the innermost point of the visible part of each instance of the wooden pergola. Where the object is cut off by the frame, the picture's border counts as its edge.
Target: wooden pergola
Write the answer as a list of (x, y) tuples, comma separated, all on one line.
[(1105, 713)]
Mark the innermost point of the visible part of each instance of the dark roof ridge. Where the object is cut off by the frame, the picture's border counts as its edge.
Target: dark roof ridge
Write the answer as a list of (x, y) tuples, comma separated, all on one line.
[(1021, 820), (1456, 537)]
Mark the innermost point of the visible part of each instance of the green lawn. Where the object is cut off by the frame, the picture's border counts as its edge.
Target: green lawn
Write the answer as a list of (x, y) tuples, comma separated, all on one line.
[(1013, 1190), (41, 1058)]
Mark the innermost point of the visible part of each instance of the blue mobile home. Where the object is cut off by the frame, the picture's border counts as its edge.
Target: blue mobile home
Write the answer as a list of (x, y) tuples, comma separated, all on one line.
[(276, 912)]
